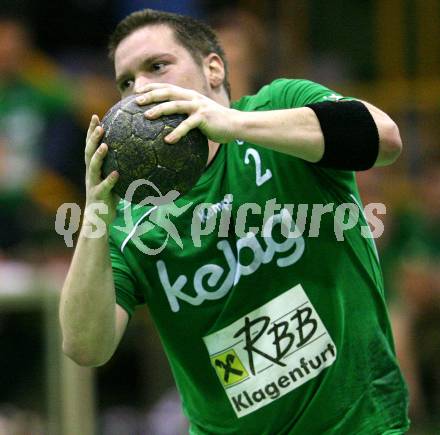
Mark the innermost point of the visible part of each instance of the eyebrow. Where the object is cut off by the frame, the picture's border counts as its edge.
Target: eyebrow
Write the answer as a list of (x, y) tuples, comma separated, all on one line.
[(147, 61)]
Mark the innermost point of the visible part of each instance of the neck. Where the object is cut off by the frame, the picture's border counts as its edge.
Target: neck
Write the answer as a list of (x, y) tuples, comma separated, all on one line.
[(212, 151), (220, 96)]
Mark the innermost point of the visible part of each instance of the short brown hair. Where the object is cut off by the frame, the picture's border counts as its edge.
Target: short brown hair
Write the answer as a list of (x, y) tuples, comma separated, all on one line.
[(197, 37)]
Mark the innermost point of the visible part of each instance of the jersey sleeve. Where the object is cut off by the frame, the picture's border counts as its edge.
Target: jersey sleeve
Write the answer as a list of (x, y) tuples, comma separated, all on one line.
[(289, 94), (127, 295)]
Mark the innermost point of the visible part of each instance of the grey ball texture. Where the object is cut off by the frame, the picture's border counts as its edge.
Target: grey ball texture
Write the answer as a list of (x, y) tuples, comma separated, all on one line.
[(136, 149)]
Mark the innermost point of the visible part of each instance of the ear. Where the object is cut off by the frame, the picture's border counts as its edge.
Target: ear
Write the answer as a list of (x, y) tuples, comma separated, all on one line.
[(214, 70)]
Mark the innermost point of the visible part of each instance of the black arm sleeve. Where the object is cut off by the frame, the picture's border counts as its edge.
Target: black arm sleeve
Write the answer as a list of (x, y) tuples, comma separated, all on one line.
[(351, 138)]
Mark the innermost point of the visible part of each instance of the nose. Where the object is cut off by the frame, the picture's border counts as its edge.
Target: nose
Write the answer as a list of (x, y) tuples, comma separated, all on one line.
[(140, 83)]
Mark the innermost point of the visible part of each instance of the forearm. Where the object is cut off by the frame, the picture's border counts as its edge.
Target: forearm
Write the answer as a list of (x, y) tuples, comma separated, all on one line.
[(296, 132), (87, 305)]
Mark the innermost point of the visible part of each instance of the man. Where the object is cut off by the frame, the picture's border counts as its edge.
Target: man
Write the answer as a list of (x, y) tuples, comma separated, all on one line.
[(265, 333)]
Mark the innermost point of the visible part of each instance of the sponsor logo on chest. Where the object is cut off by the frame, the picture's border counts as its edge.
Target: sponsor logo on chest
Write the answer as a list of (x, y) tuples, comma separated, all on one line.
[(212, 281), (270, 351)]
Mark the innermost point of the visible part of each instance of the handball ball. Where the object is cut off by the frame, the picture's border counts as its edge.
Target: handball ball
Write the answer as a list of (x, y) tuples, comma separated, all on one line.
[(136, 150)]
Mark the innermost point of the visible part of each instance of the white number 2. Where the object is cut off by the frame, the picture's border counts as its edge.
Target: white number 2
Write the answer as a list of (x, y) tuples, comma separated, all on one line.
[(259, 177)]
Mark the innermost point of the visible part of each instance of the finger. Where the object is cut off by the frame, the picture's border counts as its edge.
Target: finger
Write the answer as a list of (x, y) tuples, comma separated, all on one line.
[(151, 86), (154, 96), (94, 122), (183, 128), (96, 164), (170, 108), (92, 143), (107, 184), (163, 94)]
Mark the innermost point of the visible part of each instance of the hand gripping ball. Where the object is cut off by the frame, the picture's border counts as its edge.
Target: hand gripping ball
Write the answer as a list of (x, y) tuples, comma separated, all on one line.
[(136, 149)]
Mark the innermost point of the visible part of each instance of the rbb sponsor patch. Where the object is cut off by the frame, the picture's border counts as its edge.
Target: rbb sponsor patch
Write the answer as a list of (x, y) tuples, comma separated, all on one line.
[(270, 351)]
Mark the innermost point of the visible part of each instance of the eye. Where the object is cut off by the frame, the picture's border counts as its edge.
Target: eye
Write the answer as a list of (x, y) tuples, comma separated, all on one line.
[(158, 66), (126, 84)]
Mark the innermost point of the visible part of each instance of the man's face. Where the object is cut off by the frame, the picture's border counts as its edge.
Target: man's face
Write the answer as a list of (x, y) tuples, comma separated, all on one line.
[(151, 54)]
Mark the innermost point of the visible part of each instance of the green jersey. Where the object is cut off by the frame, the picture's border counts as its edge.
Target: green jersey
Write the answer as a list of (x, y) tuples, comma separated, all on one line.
[(272, 318)]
